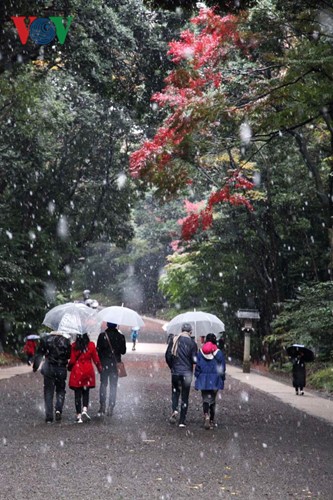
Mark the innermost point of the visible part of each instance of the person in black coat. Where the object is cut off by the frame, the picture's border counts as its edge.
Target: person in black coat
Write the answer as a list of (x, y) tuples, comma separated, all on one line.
[(299, 374), (181, 357), (56, 348), (111, 344)]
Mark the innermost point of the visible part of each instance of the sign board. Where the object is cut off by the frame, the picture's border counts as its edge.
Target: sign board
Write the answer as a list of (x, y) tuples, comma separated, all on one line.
[(248, 314)]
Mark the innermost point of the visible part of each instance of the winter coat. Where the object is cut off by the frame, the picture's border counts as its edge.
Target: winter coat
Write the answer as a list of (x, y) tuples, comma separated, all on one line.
[(118, 344), (81, 366), (29, 347), (209, 370), (299, 373), (182, 363), (56, 348)]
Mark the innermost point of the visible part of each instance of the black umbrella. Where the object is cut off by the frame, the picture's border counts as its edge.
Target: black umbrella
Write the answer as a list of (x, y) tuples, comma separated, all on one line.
[(295, 349)]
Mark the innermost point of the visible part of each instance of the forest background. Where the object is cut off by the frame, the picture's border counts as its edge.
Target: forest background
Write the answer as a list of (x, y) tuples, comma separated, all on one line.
[(217, 194)]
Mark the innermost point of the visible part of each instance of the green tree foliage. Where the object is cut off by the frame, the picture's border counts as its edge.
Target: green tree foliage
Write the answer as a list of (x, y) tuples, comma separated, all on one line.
[(265, 108), (258, 259), (62, 170), (307, 320), (68, 116), (130, 275)]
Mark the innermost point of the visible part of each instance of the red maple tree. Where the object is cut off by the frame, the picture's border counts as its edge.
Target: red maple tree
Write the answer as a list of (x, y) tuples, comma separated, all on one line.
[(198, 56)]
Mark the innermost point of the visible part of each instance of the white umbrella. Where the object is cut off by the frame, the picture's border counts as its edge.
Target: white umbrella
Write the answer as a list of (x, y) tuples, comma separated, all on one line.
[(120, 315), (71, 318), (202, 323)]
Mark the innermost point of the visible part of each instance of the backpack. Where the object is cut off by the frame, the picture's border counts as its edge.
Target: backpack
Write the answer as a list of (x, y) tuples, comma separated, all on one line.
[(58, 349)]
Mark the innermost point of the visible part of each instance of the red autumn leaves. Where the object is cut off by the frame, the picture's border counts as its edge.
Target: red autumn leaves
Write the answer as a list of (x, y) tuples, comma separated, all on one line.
[(198, 55)]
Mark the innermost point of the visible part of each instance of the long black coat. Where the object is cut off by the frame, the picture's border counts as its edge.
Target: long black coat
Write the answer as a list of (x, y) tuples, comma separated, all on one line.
[(299, 373)]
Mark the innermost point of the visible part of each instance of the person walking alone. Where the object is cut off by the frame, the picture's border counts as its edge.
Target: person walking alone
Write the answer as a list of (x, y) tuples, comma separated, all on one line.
[(209, 377), (29, 349), (181, 357), (82, 377), (299, 374), (56, 348), (111, 344), (134, 337)]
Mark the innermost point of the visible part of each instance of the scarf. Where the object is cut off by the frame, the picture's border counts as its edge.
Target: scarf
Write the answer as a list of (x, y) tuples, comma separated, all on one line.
[(176, 341)]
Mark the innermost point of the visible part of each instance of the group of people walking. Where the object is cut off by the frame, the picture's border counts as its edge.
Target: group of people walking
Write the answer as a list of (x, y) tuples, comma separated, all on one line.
[(82, 356), (181, 356), (208, 366), (79, 359)]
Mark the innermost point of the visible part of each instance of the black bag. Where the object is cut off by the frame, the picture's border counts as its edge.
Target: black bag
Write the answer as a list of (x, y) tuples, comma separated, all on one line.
[(45, 367), (169, 357)]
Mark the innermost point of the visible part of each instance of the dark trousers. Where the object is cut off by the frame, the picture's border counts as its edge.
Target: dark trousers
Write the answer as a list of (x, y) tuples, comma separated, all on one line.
[(109, 376), (181, 385), (54, 381), (209, 403), (81, 396)]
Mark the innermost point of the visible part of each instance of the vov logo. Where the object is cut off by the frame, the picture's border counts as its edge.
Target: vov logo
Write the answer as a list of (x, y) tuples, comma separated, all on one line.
[(42, 30)]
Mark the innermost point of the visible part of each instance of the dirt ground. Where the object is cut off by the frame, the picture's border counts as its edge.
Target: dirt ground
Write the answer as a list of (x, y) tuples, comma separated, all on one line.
[(260, 449)]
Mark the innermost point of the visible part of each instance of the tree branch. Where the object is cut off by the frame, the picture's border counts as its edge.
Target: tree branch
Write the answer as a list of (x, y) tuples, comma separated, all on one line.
[(271, 91)]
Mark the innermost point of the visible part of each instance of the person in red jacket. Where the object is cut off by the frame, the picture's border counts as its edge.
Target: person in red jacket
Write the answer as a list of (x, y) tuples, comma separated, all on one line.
[(82, 377), (29, 349)]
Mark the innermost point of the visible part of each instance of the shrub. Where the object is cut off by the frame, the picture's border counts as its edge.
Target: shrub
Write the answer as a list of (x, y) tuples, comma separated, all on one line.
[(322, 379), (7, 359), (307, 320), (281, 368)]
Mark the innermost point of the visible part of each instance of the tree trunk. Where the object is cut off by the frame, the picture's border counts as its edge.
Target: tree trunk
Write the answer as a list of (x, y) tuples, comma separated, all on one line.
[(330, 235), (325, 197)]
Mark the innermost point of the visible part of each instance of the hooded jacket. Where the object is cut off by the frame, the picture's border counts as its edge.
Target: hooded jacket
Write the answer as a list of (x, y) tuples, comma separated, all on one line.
[(210, 368)]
